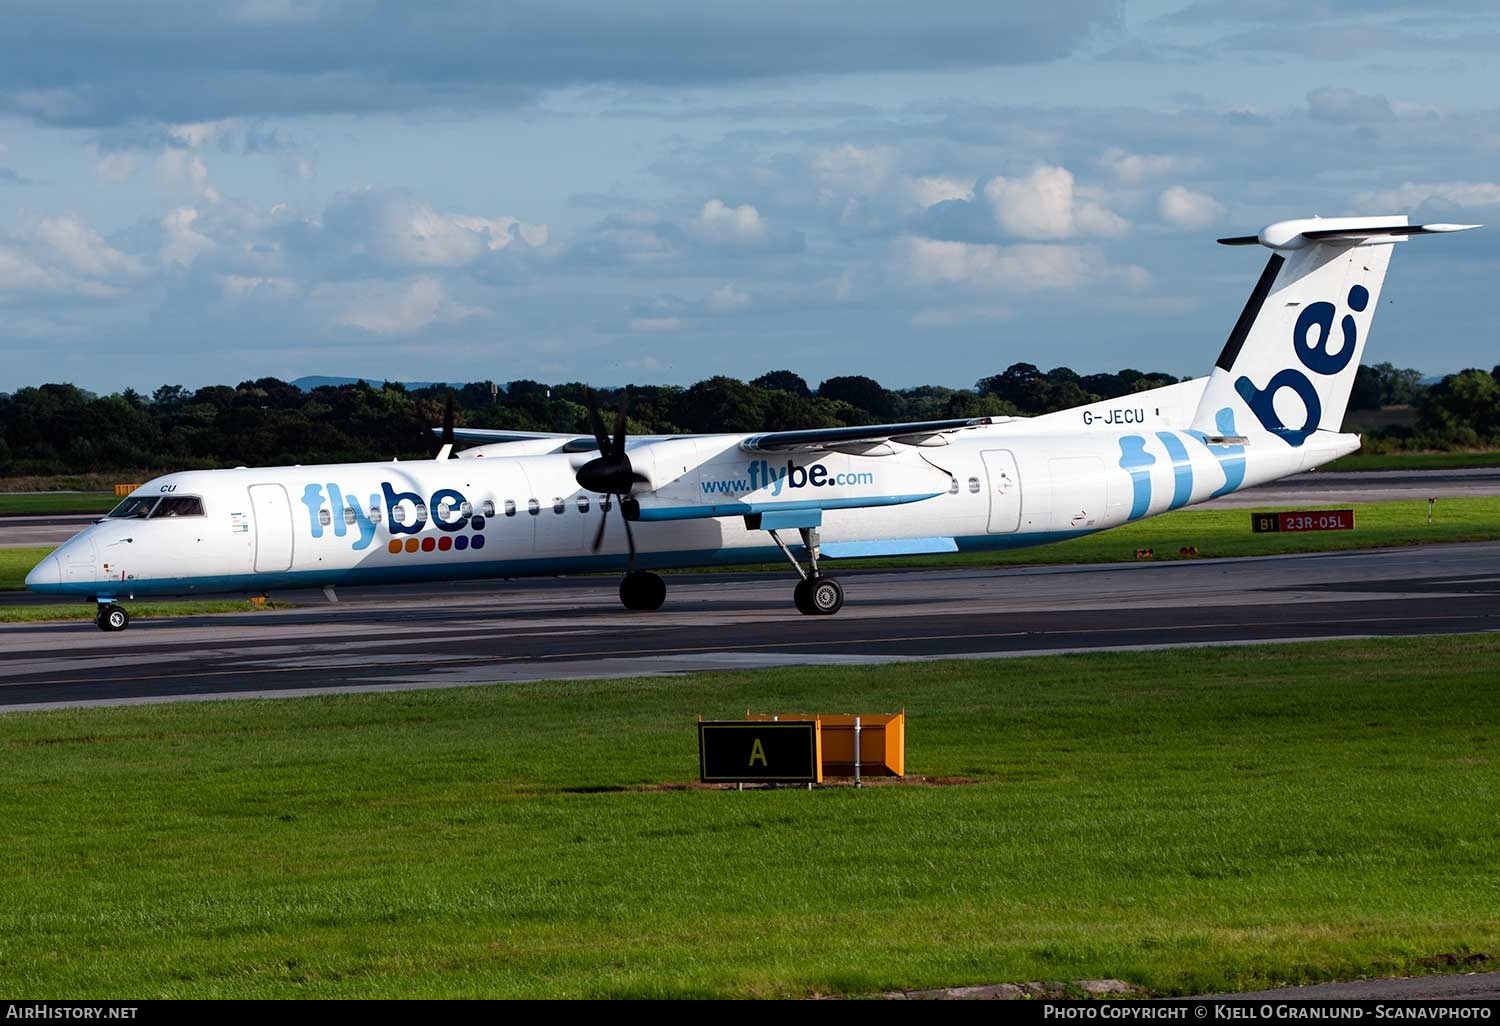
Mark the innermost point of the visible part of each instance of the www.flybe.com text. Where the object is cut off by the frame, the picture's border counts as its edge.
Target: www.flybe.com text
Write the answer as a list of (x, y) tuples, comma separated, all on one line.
[(760, 474)]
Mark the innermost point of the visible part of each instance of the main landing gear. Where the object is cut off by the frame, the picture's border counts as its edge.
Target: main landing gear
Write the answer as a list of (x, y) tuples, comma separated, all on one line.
[(815, 594), (111, 617), (641, 589)]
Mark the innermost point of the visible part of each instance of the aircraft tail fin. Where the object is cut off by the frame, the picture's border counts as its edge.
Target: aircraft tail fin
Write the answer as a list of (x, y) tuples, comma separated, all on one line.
[(1289, 364)]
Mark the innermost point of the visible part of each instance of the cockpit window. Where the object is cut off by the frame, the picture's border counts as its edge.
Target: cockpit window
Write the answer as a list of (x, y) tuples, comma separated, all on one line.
[(137, 506), (178, 506)]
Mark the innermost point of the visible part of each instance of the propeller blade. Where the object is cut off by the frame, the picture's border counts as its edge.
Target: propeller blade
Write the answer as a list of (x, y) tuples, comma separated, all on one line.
[(620, 422), (629, 534), (599, 535), (597, 422)]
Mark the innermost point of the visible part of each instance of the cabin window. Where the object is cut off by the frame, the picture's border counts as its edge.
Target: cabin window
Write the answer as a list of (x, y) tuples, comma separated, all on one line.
[(533, 507), (487, 507), (179, 506), (604, 503), (137, 506), (510, 507), (974, 485), (444, 510), (421, 512), (558, 506), (324, 517), (466, 509), (583, 504), (374, 514), (398, 514), (349, 517), (953, 486)]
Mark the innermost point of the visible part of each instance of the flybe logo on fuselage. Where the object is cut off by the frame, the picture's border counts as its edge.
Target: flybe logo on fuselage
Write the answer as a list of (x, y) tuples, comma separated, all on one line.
[(1316, 357), (331, 510), (760, 474)]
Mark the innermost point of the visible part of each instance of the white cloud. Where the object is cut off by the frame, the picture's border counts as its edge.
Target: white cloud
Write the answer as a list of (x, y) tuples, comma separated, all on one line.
[(727, 299), (181, 169), (929, 191), (405, 231), (19, 273), (719, 224), (655, 325), (851, 169), (195, 135), (182, 245), (377, 308), (63, 254), (1410, 195), (1185, 208), (1134, 168), (987, 266), (245, 286), (113, 167), (83, 250), (1346, 106), (1046, 205)]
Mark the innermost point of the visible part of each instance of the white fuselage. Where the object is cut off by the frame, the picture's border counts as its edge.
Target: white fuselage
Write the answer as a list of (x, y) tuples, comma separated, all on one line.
[(1007, 485)]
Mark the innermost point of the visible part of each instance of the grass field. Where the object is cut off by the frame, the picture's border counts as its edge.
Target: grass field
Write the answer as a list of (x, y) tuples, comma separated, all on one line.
[(48, 503), (138, 610), (15, 564), (1211, 532), (1227, 533), (1414, 461), (1188, 820)]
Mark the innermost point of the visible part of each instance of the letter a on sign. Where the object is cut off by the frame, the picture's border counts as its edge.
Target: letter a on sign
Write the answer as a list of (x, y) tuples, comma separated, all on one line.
[(758, 753)]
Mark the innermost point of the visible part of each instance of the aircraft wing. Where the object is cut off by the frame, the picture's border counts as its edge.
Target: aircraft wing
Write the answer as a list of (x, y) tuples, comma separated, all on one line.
[(570, 442), (923, 432)]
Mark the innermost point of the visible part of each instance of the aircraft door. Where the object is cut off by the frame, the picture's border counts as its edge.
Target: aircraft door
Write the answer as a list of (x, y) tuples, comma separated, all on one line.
[(273, 528), (1005, 490)]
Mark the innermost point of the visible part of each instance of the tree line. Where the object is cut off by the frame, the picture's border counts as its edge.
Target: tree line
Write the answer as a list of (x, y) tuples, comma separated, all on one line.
[(62, 429)]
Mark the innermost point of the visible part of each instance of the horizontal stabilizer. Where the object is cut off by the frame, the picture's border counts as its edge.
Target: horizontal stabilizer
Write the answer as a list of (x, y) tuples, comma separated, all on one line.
[(1286, 235)]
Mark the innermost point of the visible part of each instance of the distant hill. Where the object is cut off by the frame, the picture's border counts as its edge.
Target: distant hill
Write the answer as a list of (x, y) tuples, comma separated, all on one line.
[(312, 381)]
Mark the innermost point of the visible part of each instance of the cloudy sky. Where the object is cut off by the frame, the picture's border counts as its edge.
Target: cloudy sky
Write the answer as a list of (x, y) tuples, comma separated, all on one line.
[(662, 190)]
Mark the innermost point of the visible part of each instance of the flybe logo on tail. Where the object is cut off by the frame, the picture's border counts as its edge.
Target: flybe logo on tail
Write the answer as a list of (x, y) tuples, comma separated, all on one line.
[(1316, 356)]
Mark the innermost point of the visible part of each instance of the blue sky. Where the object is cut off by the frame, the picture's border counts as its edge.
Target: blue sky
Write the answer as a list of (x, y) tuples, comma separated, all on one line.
[(662, 190)]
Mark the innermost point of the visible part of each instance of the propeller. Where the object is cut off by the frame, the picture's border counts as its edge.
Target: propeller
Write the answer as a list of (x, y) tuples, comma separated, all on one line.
[(610, 473), (446, 449)]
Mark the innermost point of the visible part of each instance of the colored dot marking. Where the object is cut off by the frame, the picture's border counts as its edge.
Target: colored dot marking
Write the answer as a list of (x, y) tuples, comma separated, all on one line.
[(461, 542), (445, 543), (394, 546), (428, 544), (477, 522), (411, 544), (477, 542)]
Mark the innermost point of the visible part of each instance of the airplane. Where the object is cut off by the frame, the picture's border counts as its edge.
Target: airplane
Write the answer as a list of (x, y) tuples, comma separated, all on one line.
[(522, 504)]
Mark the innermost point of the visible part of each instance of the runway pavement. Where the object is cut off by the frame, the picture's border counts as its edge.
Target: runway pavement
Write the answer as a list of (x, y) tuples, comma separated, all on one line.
[(442, 635)]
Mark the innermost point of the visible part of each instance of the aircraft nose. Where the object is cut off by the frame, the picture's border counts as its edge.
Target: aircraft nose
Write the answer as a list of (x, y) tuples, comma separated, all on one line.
[(46, 574)]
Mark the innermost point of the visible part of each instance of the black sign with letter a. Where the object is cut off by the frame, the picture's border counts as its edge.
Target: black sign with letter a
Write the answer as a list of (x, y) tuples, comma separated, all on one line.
[(781, 752)]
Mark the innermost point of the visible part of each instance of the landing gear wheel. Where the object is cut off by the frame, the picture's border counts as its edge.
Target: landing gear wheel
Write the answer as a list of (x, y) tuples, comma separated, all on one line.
[(819, 596), (112, 618), (643, 590)]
